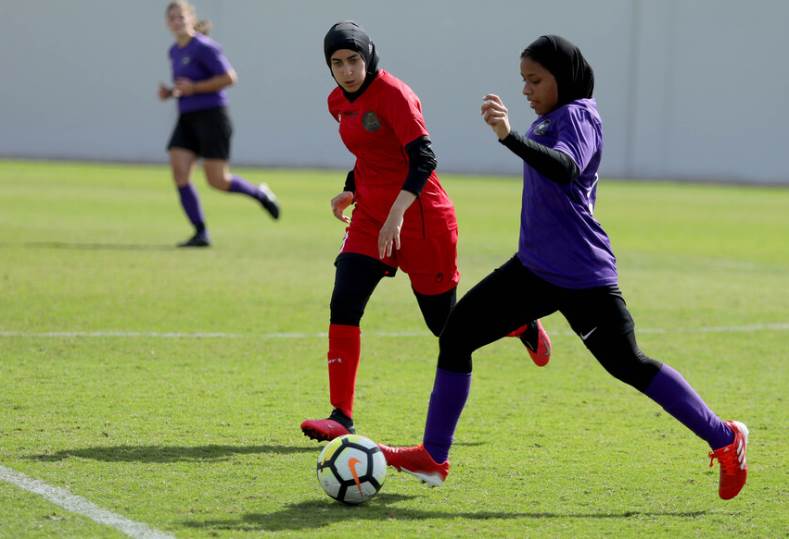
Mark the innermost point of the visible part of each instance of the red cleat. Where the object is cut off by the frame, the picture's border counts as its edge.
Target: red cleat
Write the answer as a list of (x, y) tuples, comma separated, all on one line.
[(416, 461), (734, 468), (324, 429), (537, 343)]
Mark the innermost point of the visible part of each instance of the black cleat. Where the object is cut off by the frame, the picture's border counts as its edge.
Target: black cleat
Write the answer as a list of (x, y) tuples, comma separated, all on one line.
[(198, 240), (269, 201)]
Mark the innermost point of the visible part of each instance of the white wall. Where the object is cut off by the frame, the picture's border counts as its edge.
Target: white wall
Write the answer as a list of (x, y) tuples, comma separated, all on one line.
[(687, 88)]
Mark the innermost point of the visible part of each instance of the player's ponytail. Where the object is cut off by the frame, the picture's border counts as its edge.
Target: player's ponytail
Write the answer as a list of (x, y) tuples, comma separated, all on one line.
[(203, 26)]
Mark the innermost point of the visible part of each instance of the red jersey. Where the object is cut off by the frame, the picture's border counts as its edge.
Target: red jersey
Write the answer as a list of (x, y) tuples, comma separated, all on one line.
[(376, 127)]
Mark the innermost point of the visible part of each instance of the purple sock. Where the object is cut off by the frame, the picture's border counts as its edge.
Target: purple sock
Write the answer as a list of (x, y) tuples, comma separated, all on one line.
[(450, 391), (670, 390), (240, 185), (191, 205)]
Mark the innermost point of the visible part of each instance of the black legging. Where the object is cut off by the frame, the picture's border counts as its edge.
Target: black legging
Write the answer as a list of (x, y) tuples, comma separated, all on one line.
[(511, 296), (355, 279)]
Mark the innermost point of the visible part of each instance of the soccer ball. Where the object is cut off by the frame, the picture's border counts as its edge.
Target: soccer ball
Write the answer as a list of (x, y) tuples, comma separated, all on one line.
[(351, 469)]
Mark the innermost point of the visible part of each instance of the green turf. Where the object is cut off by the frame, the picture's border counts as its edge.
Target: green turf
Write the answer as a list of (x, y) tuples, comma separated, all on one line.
[(199, 437)]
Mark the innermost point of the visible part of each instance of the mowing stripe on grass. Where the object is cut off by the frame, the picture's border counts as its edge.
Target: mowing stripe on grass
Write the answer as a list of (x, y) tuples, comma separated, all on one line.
[(78, 504), (776, 326)]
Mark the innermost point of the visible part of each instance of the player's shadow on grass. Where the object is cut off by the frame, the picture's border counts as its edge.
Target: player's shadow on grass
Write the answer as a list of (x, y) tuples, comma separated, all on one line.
[(88, 246), (166, 454), (319, 513)]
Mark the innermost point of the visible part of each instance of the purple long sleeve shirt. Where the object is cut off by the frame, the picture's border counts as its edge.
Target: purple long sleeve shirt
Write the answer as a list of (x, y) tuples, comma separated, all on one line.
[(560, 239)]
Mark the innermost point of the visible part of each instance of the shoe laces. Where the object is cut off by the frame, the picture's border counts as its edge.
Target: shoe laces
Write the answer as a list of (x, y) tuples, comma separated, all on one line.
[(727, 457), (406, 450)]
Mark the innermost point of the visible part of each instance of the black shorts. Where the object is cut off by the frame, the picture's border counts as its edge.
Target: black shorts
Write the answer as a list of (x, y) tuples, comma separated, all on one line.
[(512, 296), (206, 133)]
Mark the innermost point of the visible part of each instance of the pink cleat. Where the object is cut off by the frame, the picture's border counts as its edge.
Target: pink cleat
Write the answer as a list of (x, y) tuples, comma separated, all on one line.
[(336, 425), (537, 343)]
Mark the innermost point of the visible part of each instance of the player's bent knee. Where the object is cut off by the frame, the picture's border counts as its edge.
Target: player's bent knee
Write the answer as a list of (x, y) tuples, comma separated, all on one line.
[(218, 182), (454, 350), (436, 308), (435, 326), (347, 313), (454, 362), (436, 319), (623, 360)]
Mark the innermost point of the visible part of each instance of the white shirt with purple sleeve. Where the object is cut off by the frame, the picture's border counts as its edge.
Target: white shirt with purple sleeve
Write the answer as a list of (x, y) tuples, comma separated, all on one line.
[(560, 239)]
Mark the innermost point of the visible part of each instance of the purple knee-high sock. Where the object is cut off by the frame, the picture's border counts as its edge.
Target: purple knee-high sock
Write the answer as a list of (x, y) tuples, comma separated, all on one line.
[(240, 185), (670, 390), (191, 204), (450, 391)]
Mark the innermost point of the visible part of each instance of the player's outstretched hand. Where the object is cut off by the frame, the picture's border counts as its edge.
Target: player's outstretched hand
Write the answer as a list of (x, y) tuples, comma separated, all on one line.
[(338, 205), (496, 115)]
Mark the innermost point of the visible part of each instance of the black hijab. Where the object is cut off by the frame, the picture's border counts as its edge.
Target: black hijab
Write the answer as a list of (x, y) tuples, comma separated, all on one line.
[(351, 36), (574, 77)]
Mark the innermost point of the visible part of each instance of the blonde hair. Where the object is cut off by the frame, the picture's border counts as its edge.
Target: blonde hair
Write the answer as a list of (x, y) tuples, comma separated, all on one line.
[(203, 26)]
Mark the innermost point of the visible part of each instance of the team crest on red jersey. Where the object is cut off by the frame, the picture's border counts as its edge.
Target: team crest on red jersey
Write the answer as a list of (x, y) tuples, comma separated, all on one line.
[(371, 122)]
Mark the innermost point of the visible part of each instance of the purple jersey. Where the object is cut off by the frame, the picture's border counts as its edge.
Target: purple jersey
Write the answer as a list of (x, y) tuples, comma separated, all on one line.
[(560, 240), (200, 59)]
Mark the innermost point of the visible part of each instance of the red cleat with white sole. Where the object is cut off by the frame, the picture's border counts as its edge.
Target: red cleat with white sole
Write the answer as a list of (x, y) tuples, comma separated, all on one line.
[(734, 467), (418, 462)]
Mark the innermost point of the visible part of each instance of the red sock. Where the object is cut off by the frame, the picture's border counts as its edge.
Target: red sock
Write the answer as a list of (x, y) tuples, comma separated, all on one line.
[(344, 350), (518, 331)]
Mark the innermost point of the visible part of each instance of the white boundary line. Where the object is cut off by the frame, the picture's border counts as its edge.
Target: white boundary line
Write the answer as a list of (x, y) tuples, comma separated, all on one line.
[(777, 326), (78, 504)]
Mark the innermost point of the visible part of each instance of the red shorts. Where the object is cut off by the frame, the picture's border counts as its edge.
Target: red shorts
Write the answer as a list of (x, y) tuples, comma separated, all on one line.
[(430, 259)]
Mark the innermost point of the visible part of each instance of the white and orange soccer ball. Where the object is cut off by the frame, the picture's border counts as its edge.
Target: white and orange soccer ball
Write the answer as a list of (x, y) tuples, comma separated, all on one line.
[(351, 469)]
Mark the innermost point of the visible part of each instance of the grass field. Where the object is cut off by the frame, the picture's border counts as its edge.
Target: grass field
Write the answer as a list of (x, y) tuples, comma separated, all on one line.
[(167, 386)]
